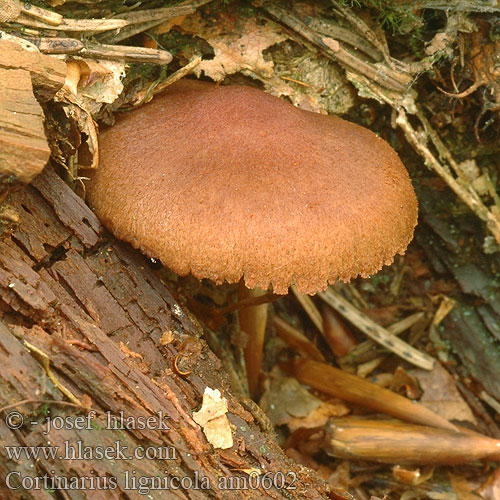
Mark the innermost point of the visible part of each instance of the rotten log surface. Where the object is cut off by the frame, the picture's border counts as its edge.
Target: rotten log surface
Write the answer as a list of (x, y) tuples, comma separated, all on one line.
[(23, 147), (47, 73), (25, 76), (452, 243), (95, 308)]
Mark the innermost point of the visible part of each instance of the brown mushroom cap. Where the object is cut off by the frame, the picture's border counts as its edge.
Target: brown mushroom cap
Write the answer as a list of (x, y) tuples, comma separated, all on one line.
[(231, 182)]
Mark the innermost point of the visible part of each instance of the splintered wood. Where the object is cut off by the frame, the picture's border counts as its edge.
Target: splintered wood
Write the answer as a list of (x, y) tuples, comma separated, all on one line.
[(23, 147), (24, 74)]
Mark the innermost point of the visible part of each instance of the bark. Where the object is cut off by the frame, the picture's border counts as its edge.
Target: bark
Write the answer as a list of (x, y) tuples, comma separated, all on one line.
[(102, 316), (453, 245)]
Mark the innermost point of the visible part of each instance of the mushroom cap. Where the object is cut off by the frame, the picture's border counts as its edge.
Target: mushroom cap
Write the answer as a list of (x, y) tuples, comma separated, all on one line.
[(229, 182)]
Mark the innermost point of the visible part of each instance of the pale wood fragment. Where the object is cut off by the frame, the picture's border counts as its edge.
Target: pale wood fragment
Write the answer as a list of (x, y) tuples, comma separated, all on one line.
[(23, 146)]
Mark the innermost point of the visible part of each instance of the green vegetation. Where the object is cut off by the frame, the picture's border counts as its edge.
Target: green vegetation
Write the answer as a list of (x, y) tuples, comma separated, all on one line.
[(400, 19)]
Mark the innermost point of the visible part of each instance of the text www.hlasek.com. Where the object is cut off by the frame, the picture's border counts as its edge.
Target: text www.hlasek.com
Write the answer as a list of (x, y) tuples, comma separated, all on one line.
[(79, 451)]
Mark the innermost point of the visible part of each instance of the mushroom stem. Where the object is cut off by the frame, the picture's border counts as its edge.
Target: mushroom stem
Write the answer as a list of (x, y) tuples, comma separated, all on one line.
[(253, 322)]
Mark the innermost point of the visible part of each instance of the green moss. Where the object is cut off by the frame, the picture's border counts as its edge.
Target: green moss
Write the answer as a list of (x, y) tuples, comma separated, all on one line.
[(400, 19)]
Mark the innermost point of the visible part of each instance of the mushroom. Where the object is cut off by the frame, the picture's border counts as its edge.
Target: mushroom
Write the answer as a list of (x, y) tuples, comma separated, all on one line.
[(231, 183)]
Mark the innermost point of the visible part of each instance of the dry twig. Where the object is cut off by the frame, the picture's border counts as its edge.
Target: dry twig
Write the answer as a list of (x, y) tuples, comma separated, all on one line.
[(380, 73), (142, 20), (375, 331)]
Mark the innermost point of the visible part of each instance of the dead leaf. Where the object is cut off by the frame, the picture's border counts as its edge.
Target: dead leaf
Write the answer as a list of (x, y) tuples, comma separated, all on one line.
[(490, 489), (213, 419), (94, 82), (341, 476), (482, 60), (238, 44), (441, 395), (405, 384), (463, 488), (287, 399), (319, 416)]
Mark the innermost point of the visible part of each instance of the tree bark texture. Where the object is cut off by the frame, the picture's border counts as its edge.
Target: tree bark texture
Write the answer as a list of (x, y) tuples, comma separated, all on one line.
[(453, 245), (101, 315)]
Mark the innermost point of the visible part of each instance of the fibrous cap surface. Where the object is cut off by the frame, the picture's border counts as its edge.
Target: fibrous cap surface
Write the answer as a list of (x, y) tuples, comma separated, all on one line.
[(230, 182)]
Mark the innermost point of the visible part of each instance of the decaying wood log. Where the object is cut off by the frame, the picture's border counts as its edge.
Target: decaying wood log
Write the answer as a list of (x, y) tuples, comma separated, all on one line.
[(101, 316), (47, 73), (23, 147), (24, 74), (453, 245)]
